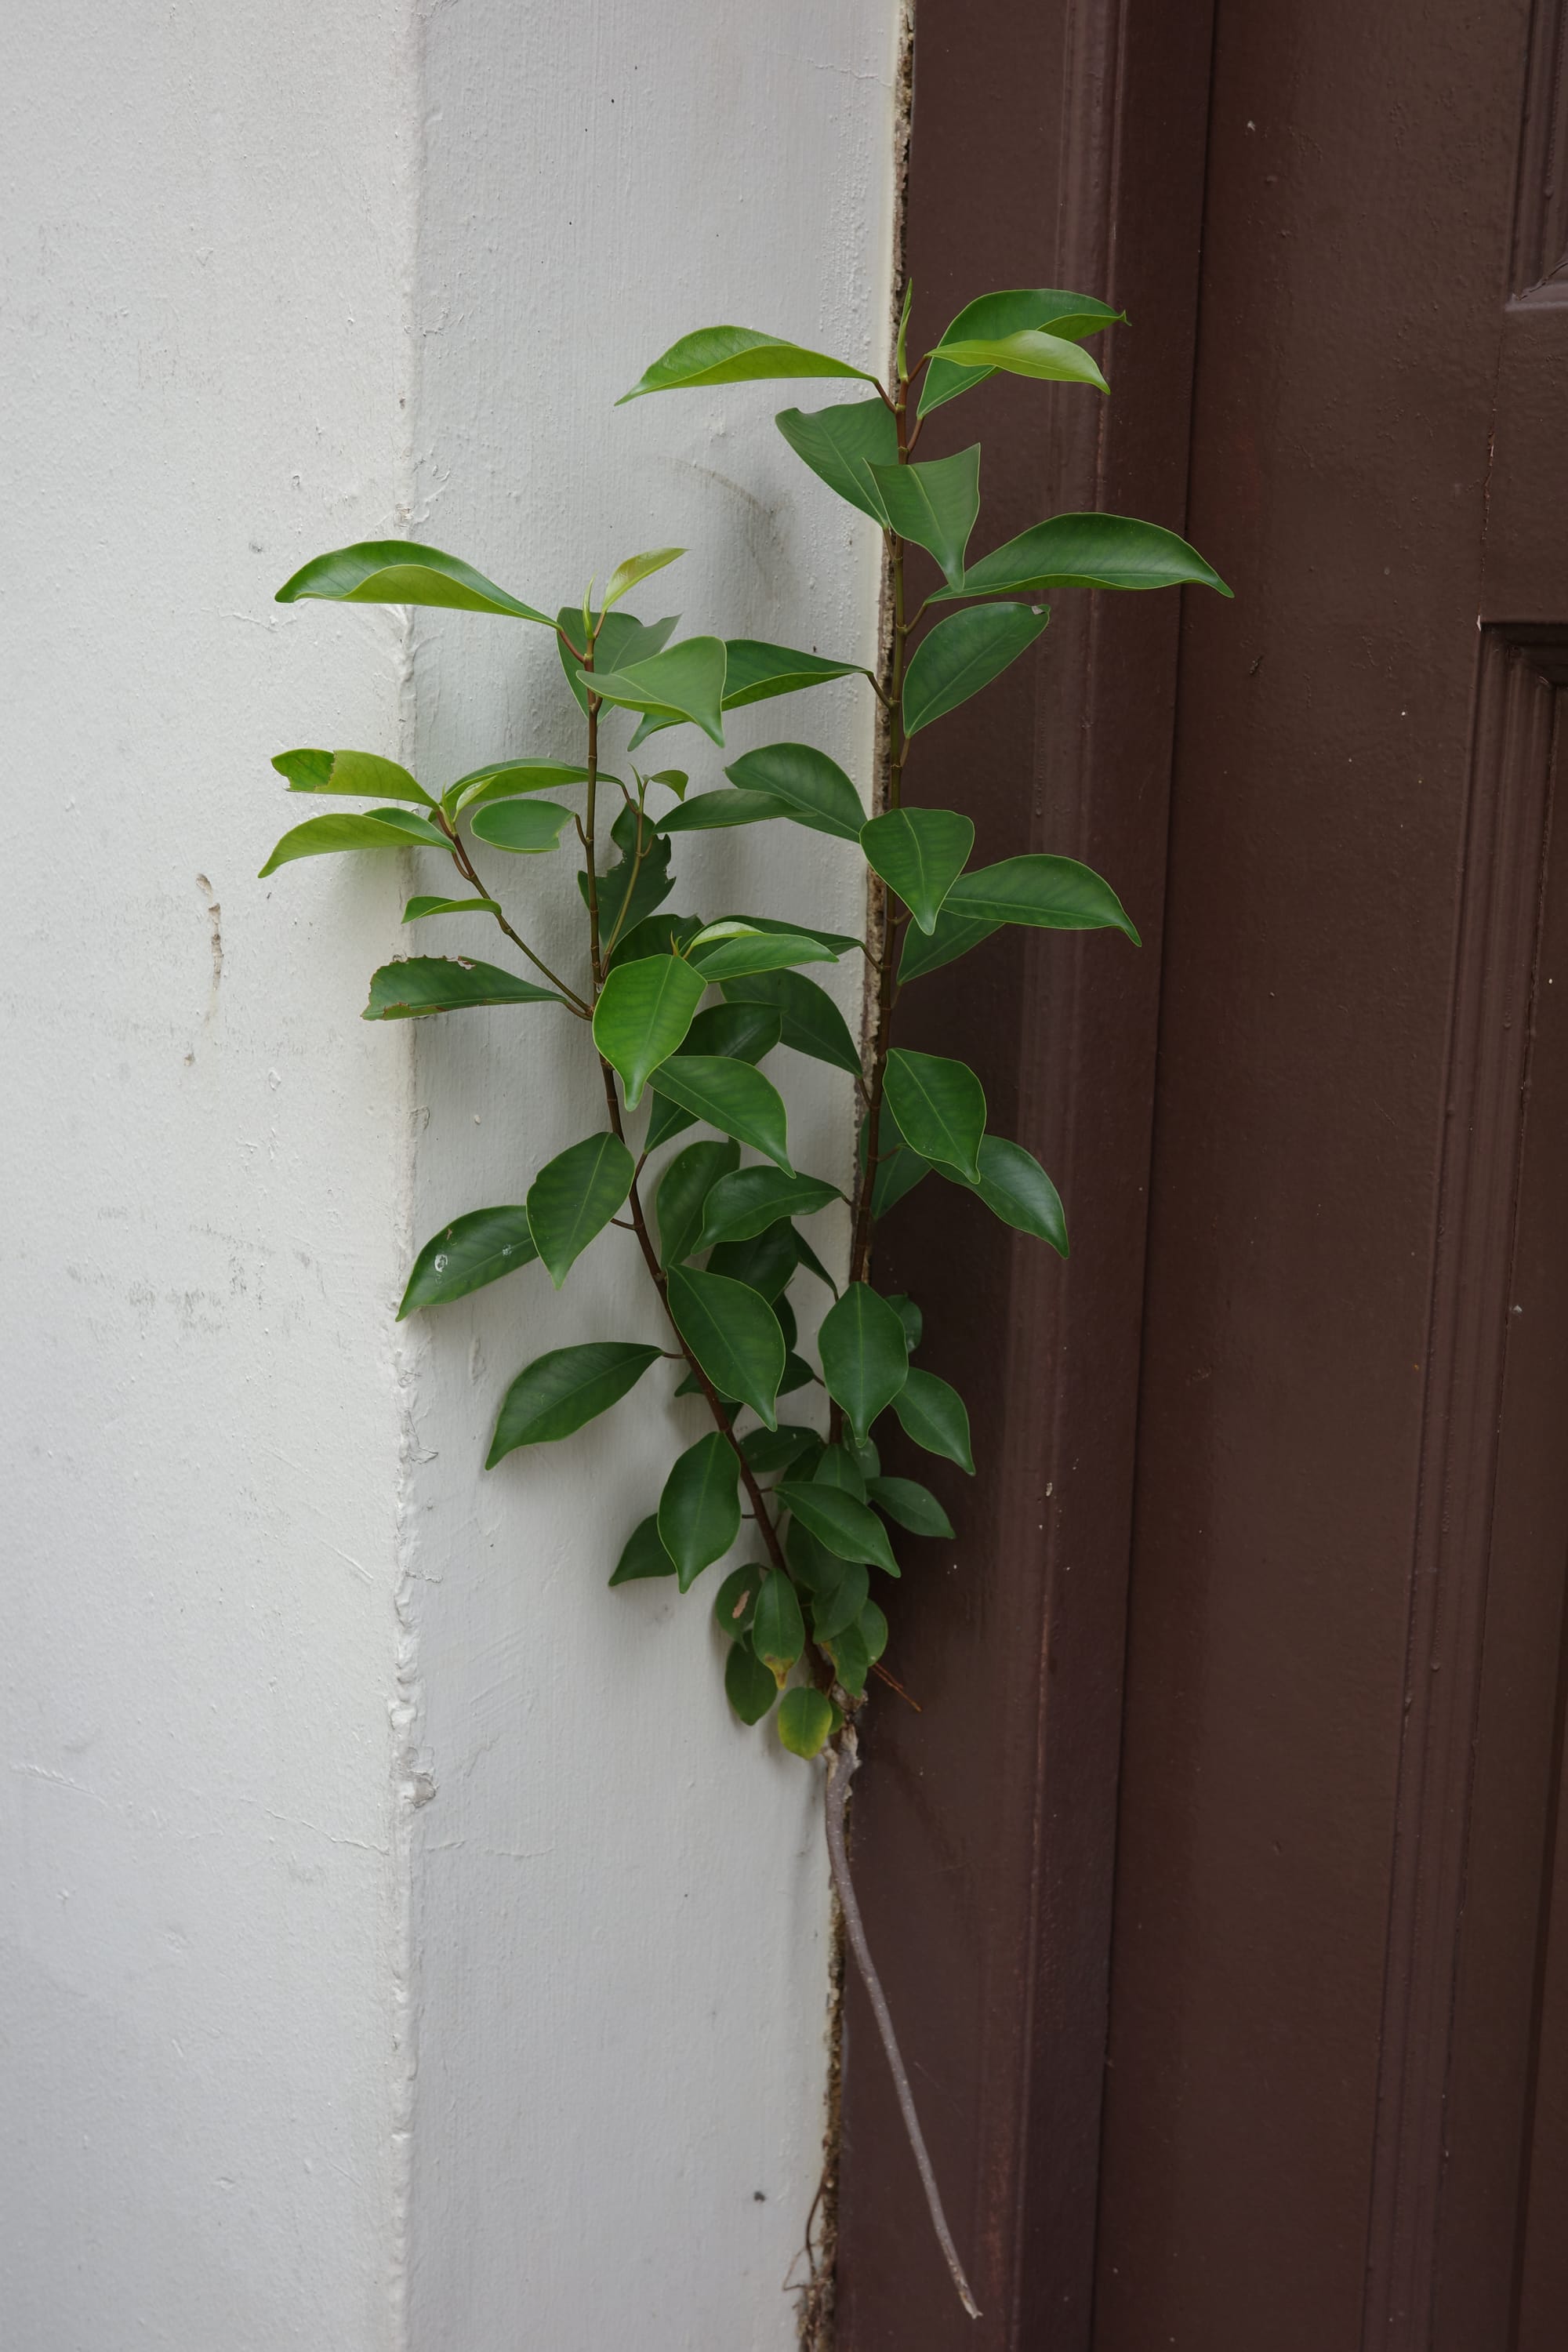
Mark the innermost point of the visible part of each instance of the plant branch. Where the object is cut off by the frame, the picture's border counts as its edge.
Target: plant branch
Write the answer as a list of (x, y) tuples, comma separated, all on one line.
[(465, 868)]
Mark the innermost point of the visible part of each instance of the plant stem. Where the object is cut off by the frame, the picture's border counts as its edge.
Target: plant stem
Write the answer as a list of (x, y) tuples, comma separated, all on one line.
[(465, 868)]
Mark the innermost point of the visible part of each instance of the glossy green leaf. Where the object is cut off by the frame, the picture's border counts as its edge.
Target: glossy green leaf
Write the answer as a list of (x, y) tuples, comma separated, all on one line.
[(634, 886), (748, 1686), (1049, 358), (939, 1106), (778, 1629), (934, 1415), (840, 942), (732, 355), (953, 936), (505, 780), (841, 445), (865, 1355), (752, 951), (415, 985), (736, 1605), (767, 1450), (323, 836), (812, 1565), (849, 1530), (674, 779), (936, 503), (964, 653), (642, 1014), (910, 1315), (527, 828), (417, 908), (684, 682), (836, 1466), (400, 572), (873, 1630), (810, 1021), (660, 934), (1015, 1188), (920, 854), (897, 1174), (644, 1555), (559, 1392), (622, 640), (1069, 315), (748, 1202), (741, 1033), (911, 1505), (733, 1334), (466, 1254), (1053, 894), (852, 1659), (757, 670), (699, 1509), (307, 770), (808, 1258), (683, 1190), (574, 1196), (359, 773), (785, 1314), (1086, 551), (731, 1095), (626, 576), (716, 812), (813, 788), (765, 1263), (805, 1720)]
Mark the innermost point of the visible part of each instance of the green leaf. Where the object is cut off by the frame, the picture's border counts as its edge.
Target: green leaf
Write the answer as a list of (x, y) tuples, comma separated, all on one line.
[(752, 951), (654, 935), (631, 889), (621, 639), (805, 1718), (841, 445), (865, 1355), (360, 774), (954, 935), (936, 504), (873, 1629), (964, 653), (767, 1450), (417, 908), (674, 779), (748, 1686), (736, 1605), (813, 1264), (699, 1509), (778, 1629), (811, 1562), (400, 572), (505, 780), (558, 1392), (939, 1106), (467, 1253), (785, 1314), (852, 1659), (642, 1014), (813, 789), (574, 1196), (1049, 358), (897, 1175), (757, 670), (415, 985), (713, 811), (849, 1528), (1086, 551), (1069, 315), (683, 1191), (764, 1263), (742, 1032), (836, 1466), (920, 853), (1015, 1188), (733, 355), (1053, 894), (911, 1505), (526, 827), (910, 1315), (934, 1414), (810, 1021), (749, 1201), (796, 1374), (644, 1555), (684, 682), (624, 576), (322, 836), (733, 1334), (840, 942), (731, 1095)]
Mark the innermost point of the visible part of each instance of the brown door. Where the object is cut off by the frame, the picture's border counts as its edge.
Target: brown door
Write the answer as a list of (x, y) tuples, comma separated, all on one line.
[(1300, 1405)]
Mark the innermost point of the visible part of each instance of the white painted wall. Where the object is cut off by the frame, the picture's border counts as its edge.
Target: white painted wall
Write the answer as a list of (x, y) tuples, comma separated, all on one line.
[(401, 1946)]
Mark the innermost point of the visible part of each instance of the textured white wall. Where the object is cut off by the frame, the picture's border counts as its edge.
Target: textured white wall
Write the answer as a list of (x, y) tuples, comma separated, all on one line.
[(403, 1946)]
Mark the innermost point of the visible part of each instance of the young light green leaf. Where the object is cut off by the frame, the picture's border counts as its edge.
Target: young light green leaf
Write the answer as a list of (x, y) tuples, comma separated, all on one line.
[(525, 827), (752, 951), (638, 881), (842, 445), (748, 1686), (1053, 894), (939, 1106), (805, 1718), (1069, 315), (747, 1203), (849, 1528), (911, 1505), (322, 836), (1015, 1188), (736, 1605), (417, 908), (767, 1450), (558, 1392), (964, 653), (935, 503), (622, 640), (733, 1334), (934, 1414), (686, 682), (711, 812), (731, 1095), (1086, 551), (920, 853), (644, 1555), (400, 572), (699, 1509), (642, 1014), (683, 1190), (624, 576), (813, 789), (1049, 358), (733, 355), (505, 780), (953, 936), (778, 1629), (466, 1254), (810, 1021), (574, 1196), (415, 985), (865, 1355), (359, 773)]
